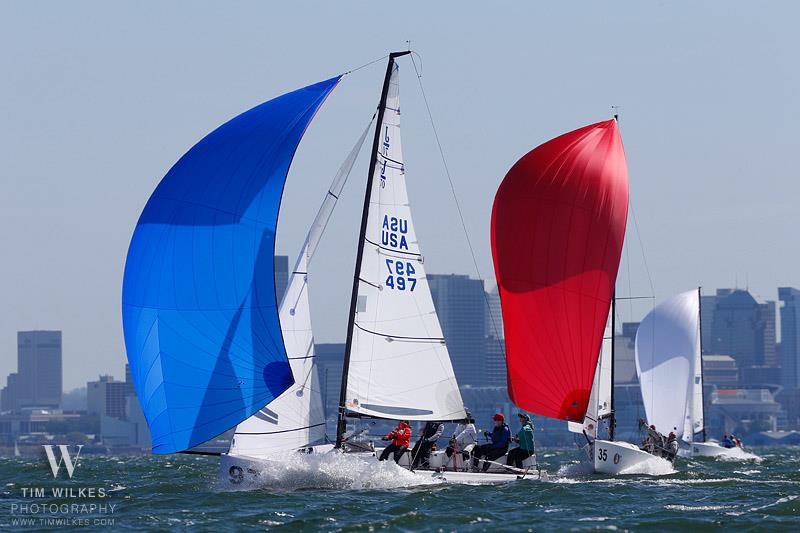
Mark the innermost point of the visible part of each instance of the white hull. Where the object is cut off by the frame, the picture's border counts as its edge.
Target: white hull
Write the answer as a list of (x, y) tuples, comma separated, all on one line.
[(625, 458), (242, 472), (714, 449)]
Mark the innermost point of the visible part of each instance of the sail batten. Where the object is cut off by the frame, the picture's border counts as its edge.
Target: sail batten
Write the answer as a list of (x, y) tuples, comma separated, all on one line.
[(199, 309), (558, 223)]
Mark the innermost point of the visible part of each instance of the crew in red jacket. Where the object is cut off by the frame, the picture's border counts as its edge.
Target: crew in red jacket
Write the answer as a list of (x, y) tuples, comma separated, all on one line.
[(401, 438)]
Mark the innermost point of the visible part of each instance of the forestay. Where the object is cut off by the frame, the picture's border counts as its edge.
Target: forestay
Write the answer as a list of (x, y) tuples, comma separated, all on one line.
[(667, 351), (296, 418), (202, 330), (399, 365)]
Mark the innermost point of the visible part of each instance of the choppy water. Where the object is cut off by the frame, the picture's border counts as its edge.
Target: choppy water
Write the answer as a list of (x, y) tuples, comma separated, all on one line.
[(181, 492)]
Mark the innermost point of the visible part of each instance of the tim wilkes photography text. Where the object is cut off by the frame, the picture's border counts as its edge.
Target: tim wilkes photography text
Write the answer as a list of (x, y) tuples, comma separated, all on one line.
[(60, 501)]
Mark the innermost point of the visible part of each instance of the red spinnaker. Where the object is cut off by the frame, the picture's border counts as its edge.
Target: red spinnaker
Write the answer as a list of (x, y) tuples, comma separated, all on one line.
[(558, 224)]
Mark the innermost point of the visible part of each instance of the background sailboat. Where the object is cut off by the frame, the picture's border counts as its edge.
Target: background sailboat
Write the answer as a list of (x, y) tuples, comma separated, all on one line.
[(670, 368), (558, 225)]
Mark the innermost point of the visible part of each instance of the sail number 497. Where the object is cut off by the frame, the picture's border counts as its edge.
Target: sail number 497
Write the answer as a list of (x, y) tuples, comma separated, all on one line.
[(400, 273)]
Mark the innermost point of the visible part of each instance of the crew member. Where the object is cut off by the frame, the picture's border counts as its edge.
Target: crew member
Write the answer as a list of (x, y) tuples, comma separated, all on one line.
[(464, 439), (727, 441), (422, 449), (401, 438), (672, 446), (500, 436), (654, 441), (525, 439)]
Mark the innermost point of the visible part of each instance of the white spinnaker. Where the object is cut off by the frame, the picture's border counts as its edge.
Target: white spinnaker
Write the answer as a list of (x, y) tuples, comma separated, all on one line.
[(667, 344), (600, 398), (399, 364), (296, 418)]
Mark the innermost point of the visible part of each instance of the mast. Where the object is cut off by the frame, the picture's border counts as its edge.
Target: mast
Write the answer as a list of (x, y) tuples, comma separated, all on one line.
[(341, 425), (702, 379), (613, 418)]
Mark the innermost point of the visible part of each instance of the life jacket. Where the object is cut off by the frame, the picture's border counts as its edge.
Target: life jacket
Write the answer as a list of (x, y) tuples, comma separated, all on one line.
[(500, 437), (401, 435)]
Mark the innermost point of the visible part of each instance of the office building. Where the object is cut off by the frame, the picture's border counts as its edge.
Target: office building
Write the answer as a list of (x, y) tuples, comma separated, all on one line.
[(329, 359), (38, 380), (707, 306), (790, 336), (461, 305), (109, 397), (744, 328), (720, 371), (495, 363)]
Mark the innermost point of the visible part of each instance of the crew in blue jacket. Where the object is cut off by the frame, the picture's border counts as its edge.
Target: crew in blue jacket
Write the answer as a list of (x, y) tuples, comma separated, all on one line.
[(500, 437)]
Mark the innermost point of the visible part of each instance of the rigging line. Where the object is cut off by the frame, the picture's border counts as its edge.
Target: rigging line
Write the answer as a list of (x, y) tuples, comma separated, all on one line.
[(641, 246), (365, 65), (453, 191)]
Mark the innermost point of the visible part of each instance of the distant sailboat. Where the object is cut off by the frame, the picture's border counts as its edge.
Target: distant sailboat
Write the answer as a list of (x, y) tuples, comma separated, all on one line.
[(670, 367), (558, 226), (16, 450)]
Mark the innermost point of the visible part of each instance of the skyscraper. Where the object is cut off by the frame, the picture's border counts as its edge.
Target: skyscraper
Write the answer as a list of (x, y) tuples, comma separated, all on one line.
[(38, 379), (329, 359), (744, 328), (790, 336), (460, 303), (496, 373)]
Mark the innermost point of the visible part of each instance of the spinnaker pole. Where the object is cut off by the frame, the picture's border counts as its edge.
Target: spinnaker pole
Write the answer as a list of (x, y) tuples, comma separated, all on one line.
[(341, 425)]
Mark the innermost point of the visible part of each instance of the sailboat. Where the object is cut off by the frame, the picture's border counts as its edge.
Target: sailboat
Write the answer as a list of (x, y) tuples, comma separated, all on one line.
[(670, 367), (558, 225), (210, 348), (396, 363)]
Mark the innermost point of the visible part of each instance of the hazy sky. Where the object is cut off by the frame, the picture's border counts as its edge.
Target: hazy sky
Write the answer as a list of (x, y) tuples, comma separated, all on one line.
[(99, 99)]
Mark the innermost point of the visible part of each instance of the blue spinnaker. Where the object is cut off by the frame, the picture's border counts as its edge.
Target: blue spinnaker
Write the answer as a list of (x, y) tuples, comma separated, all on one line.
[(199, 308)]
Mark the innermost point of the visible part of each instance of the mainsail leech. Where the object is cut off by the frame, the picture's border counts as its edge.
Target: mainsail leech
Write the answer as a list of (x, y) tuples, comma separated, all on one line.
[(201, 323), (558, 225)]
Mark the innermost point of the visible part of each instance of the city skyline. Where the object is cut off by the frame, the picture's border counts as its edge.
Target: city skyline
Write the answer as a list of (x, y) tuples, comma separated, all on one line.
[(781, 312), (707, 114)]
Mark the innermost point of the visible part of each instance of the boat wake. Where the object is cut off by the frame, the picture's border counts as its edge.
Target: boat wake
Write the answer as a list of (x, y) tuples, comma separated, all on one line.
[(334, 471), (739, 455), (582, 468), (651, 468)]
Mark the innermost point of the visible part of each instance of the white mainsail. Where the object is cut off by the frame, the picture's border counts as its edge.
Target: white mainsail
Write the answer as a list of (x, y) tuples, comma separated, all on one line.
[(599, 405), (667, 351), (694, 422), (296, 418), (399, 365)]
